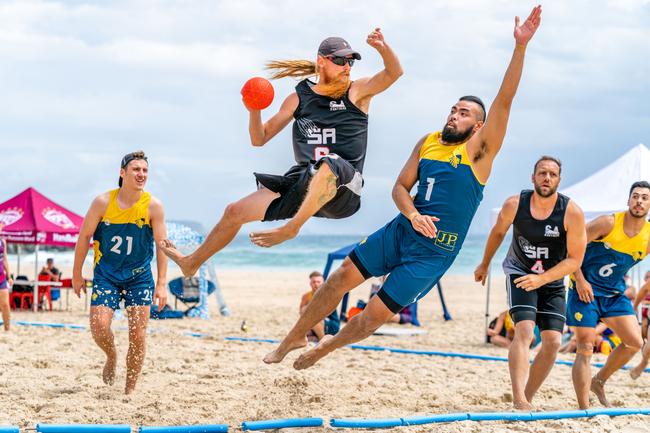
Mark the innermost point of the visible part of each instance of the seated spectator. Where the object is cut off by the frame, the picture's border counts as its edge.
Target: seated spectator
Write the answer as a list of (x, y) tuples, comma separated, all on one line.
[(501, 330), (50, 270), (326, 326), (605, 341)]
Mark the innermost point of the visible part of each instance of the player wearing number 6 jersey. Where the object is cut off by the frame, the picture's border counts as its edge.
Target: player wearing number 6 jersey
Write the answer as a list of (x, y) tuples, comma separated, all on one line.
[(124, 224), (548, 243), (417, 247), (616, 243)]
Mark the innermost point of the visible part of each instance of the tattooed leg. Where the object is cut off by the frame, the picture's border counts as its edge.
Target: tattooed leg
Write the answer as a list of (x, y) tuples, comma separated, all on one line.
[(322, 189)]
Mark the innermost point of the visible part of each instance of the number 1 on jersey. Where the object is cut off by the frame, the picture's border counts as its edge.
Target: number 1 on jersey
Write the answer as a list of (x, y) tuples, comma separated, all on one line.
[(430, 182)]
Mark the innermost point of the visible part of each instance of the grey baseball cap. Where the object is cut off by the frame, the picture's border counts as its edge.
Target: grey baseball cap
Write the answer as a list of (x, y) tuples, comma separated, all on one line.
[(335, 46)]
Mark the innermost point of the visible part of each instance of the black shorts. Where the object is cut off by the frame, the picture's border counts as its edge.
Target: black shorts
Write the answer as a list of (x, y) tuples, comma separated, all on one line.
[(293, 186), (545, 306)]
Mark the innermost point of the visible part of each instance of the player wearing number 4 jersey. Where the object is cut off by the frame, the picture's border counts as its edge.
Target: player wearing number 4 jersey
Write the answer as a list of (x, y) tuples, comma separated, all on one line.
[(417, 247), (123, 224), (330, 137), (548, 243), (616, 243)]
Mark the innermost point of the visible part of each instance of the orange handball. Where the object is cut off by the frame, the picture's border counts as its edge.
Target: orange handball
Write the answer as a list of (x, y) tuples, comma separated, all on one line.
[(257, 93)]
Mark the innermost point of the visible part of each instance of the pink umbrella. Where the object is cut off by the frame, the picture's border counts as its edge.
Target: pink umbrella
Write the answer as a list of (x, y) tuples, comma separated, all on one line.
[(31, 218)]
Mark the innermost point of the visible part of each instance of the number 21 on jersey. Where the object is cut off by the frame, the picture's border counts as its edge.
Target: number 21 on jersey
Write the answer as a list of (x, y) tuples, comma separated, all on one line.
[(118, 240)]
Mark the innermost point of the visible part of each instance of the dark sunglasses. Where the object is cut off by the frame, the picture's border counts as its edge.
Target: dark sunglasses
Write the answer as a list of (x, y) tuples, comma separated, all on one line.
[(341, 61)]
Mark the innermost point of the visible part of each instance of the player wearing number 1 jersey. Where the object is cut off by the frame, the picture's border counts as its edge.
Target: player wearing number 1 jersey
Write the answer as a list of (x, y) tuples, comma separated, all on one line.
[(616, 243), (124, 224), (548, 243), (417, 247)]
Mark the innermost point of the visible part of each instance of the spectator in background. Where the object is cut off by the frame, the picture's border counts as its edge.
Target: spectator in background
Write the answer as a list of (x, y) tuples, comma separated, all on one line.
[(49, 269), (324, 327), (501, 330), (5, 283)]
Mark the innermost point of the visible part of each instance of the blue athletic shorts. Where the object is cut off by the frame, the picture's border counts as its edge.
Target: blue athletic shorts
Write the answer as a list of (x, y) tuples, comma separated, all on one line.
[(587, 315), (414, 269), (3, 285), (109, 294)]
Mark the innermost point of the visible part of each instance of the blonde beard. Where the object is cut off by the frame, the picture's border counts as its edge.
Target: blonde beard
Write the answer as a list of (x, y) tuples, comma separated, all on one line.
[(333, 89)]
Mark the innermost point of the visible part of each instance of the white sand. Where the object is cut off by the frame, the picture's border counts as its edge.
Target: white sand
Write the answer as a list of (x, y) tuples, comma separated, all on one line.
[(53, 375)]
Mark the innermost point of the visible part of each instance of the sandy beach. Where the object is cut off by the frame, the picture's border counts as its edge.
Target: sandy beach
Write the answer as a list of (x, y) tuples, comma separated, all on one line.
[(53, 375)]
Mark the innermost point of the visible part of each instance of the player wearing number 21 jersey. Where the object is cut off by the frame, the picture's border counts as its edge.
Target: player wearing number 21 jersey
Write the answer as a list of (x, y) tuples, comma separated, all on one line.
[(548, 243), (616, 243), (123, 224)]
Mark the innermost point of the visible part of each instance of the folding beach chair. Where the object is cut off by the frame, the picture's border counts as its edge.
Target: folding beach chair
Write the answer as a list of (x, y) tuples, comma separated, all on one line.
[(186, 290)]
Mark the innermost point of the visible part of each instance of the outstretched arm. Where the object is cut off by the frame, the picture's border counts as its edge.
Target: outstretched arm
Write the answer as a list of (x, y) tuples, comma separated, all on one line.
[(485, 144), (498, 232), (260, 132), (423, 224), (576, 242), (368, 87)]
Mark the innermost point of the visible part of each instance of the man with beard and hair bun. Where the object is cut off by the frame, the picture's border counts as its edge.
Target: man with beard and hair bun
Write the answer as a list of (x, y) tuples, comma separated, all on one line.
[(419, 245), (330, 135), (548, 243), (597, 291)]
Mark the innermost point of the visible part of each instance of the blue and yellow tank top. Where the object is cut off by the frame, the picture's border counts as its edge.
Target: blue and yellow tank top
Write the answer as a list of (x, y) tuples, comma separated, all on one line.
[(123, 241), (447, 189), (607, 260)]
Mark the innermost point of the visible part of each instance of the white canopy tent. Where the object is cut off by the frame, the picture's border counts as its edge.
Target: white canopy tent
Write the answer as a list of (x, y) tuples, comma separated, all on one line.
[(603, 192)]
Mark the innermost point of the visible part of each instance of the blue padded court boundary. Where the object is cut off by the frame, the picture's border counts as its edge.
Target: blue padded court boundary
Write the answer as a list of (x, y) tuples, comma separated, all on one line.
[(199, 428), (351, 346), (271, 424), (482, 416)]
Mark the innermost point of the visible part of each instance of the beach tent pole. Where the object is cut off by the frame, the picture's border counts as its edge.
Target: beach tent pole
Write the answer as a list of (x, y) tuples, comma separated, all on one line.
[(17, 259), (487, 301), (445, 312), (35, 301)]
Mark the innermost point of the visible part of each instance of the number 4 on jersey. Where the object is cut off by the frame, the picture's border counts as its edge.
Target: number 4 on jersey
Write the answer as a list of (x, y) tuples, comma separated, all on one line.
[(538, 268)]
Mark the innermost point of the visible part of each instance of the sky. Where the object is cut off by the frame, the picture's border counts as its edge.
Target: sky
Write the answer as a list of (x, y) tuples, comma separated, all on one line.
[(83, 83)]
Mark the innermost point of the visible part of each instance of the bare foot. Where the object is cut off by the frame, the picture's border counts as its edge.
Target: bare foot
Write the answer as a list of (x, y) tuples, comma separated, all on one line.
[(182, 261), (598, 388), (522, 406), (108, 374), (311, 356), (285, 347), (635, 373), (272, 237)]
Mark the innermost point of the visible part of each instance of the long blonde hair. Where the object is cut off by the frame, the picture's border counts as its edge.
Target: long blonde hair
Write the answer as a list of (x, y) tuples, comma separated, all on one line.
[(306, 68), (292, 68)]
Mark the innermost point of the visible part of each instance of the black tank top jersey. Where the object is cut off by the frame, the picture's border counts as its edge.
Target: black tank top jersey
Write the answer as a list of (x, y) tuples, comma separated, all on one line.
[(324, 125), (537, 245)]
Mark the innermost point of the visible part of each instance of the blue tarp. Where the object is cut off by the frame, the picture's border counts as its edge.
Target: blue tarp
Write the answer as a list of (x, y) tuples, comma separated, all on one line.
[(341, 254)]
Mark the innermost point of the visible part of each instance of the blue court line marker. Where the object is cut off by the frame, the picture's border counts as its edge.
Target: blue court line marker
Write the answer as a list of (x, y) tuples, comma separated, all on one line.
[(423, 352), (83, 428), (199, 428), (271, 424), (351, 346), (482, 416)]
